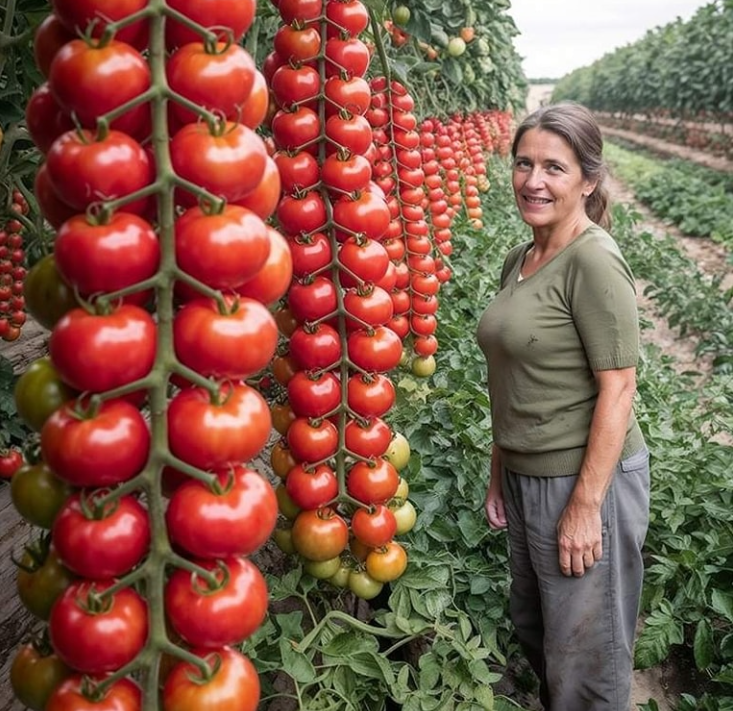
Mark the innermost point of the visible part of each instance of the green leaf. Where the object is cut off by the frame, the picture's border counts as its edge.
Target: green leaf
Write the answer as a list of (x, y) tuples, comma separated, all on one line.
[(295, 663), (722, 603), (703, 647), (661, 630)]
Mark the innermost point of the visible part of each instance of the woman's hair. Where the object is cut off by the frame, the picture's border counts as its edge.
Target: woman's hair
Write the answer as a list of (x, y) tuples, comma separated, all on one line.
[(574, 123)]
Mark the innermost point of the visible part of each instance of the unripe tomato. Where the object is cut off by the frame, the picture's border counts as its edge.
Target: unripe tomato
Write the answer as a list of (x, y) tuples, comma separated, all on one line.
[(34, 676), (39, 392), (387, 562), (363, 585), (320, 534), (38, 494)]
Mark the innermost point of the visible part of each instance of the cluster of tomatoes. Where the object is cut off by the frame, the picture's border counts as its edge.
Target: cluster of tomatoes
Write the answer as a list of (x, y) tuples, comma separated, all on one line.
[(12, 271), (156, 296)]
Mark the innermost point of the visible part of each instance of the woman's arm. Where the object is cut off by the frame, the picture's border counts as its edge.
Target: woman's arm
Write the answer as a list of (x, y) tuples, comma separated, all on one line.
[(494, 497), (579, 527)]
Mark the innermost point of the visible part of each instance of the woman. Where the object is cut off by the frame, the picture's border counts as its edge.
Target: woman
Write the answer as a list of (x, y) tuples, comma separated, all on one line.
[(569, 470)]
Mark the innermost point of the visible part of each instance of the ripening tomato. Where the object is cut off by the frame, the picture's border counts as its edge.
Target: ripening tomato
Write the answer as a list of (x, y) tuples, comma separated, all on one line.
[(234, 15), (405, 515), (311, 487), (99, 352), (387, 563), (313, 347), (272, 281), (212, 431), (312, 440), (48, 39), (94, 634), (372, 482), (95, 448), (44, 118), (264, 198), (314, 394), (281, 459), (90, 80), (234, 344), (370, 395), (234, 519), (123, 695), (377, 350), (209, 617), (41, 579), (297, 44), (39, 392), (367, 438), (10, 461), (101, 541), (34, 676), (320, 534), (38, 494), (233, 684), (282, 417), (77, 15), (98, 256), (425, 345), (83, 169), (217, 78), (363, 585), (374, 526)]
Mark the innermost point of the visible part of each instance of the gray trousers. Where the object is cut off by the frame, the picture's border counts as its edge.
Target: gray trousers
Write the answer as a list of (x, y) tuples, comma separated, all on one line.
[(578, 632)]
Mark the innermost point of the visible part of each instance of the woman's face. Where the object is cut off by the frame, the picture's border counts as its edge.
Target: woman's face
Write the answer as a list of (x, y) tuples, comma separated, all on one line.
[(548, 182)]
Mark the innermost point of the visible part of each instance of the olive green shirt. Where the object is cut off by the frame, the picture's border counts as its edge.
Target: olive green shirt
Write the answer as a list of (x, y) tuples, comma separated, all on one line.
[(543, 337)]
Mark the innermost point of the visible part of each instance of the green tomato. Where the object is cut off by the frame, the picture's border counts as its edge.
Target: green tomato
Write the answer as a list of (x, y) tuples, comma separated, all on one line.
[(363, 585), (322, 569), (403, 489), (456, 47), (34, 676), (39, 392), (283, 538), (47, 296), (424, 366), (401, 15), (38, 494), (406, 517), (398, 452), (285, 504), (340, 579), (40, 585)]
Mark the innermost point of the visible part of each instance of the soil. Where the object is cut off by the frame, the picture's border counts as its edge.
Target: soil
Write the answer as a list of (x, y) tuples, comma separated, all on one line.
[(661, 683)]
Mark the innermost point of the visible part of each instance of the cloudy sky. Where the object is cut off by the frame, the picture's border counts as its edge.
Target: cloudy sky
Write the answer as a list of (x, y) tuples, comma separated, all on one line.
[(558, 36)]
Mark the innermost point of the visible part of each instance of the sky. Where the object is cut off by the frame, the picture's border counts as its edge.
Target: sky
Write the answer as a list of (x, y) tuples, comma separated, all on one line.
[(558, 36)]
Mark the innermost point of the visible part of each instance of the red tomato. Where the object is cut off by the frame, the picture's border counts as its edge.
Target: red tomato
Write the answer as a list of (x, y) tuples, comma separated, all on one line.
[(310, 300), (235, 15), (83, 170), (76, 15), (314, 347), (310, 253), (346, 172), (368, 305), (370, 395), (320, 534), (377, 351), (352, 94), (304, 212), (292, 130), (264, 198), (224, 249), (123, 695), (218, 79), (367, 214), (233, 684), (349, 55), (93, 634), (401, 301), (297, 170), (372, 482), (52, 207), (387, 562), (313, 395), (102, 544), (312, 440), (299, 11), (368, 438), (94, 353), (311, 488), (348, 131), (425, 345), (209, 432), (423, 324), (348, 15), (44, 118), (48, 39), (234, 520), (273, 279), (367, 259), (209, 617), (10, 461), (424, 304), (228, 162), (98, 257), (96, 448), (89, 80), (256, 106), (297, 44), (295, 85), (374, 526), (232, 344)]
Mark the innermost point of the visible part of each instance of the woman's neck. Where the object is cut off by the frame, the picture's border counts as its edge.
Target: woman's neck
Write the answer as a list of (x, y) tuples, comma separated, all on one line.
[(550, 240)]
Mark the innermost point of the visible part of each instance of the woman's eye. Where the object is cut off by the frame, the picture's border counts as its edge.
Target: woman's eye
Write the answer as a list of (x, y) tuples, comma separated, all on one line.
[(521, 164), (555, 168)]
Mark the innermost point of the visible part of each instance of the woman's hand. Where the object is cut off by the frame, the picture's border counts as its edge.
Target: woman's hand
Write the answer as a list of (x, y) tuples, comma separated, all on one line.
[(495, 502), (579, 538)]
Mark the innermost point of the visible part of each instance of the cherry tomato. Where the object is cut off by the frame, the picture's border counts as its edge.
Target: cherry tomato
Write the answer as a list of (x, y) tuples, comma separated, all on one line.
[(363, 585), (320, 534), (235, 15), (314, 395), (312, 440), (123, 695), (264, 198), (76, 15), (387, 562), (38, 494), (367, 438), (374, 526), (10, 461), (41, 579), (311, 487), (273, 279), (372, 482), (378, 350), (370, 395), (314, 347), (34, 676), (44, 118), (48, 38)]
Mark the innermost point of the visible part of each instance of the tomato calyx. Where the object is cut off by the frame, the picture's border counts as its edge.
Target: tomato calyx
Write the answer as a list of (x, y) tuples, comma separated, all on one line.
[(220, 489), (213, 582), (37, 552), (205, 670), (93, 602), (218, 35), (98, 505), (94, 691)]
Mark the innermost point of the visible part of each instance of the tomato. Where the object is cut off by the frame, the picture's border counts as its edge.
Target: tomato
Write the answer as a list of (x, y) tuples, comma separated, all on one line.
[(401, 301), (295, 85), (423, 324), (405, 516), (34, 676), (310, 253), (369, 438), (101, 447), (48, 38), (299, 11), (346, 172), (286, 505), (10, 461), (102, 543), (365, 258), (304, 212), (314, 395), (350, 55), (234, 344), (377, 350), (350, 16), (283, 369), (103, 256), (224, 249), (372, 482), (83, 169), (423, 366), (218, 78), (367, 214), (298, 171), (311, 487), (320, 534), (39, 392), (352, 94), (228, 613), (235, 519), (94, 634), (312, 440), (297, 44), (374, 526), (209, 432), (235, 15), (294, 129), (44, 118), (51, 206), (369, 305), (322, 569), (425, 345), (90, 80), (398, 452), (233, 684), (123, 695), (348, 132), (77, 15), (281, 459), (403, 489), (312, 299), (273, 279), (424, 304), (456, 47), (41, 579), (340, 579), (257, 105), (283, 539), (264, 198), (38, 494), (363, 585), (228, 161), (387, 562), (282, 417), (370, 395), (313, 347)]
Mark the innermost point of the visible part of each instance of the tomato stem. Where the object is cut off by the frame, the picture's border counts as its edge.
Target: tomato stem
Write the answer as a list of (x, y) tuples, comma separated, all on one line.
[(207, 575), (185, 468)]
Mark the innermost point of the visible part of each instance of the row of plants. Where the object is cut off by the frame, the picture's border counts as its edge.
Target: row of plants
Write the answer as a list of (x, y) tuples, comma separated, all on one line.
[(679, 71), (694, 200)]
